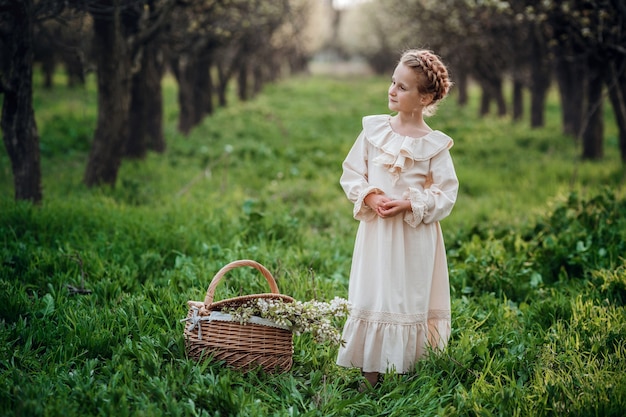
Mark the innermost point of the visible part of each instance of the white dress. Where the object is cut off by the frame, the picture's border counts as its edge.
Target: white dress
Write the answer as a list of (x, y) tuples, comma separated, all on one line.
[(399, 287)]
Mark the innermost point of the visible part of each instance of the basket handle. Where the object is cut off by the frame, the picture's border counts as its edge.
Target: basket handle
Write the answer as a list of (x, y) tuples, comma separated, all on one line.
[(208, 299)]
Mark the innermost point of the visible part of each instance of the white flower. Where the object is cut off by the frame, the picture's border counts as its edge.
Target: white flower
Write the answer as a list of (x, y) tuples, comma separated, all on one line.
[(321, 319)]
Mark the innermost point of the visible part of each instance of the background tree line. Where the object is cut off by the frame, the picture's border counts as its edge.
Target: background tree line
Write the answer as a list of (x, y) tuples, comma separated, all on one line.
[(130, 44), (208, 44), (578, 44)]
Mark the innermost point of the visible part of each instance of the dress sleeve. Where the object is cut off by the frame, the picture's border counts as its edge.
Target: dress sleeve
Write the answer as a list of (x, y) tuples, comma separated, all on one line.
[(354, 179), (434, 202)]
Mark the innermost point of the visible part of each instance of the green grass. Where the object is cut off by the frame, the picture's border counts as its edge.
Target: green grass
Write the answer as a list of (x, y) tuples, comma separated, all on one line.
[(535, 247)]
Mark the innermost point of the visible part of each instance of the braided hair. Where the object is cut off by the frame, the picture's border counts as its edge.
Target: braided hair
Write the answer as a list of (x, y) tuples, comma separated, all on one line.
[(432, 75)]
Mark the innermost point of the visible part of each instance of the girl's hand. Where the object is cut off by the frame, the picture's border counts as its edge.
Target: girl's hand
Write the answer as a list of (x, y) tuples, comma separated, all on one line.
[(392, 208), (374, 201)]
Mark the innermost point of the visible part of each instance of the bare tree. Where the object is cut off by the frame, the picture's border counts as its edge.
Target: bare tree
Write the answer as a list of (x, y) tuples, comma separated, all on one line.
[(617, 94), (540, 75), (122, 30), (195, 34), (215, 42), (130, 54), (581, 41), (113, 64), (63, 40), (588, 40), (474, 37), (21, 138), (146, 104)]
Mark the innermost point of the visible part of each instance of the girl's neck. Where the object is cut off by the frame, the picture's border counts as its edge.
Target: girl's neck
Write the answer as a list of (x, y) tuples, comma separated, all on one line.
[(410, 124)]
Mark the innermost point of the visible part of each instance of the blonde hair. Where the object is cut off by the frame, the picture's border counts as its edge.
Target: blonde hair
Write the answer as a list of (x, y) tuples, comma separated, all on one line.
[(432, 75)]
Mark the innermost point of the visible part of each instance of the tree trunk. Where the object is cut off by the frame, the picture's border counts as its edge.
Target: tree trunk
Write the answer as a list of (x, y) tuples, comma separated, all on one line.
[(137, 144), (492, 90), (114, 79), (499, 95), (519, 63), (75, 68), (537, 104), (222, 84), (461, 82), (209, 90), (154, 110), (570, 75), (258, 79), (490, 79), (18, 117), (485, 101), (617, 93), (593, 129), (45, 52), (242, 81), (518, 99), (48, 65), (540, 78), (194, 91), (183, 71), (203, 93), (146, 106)]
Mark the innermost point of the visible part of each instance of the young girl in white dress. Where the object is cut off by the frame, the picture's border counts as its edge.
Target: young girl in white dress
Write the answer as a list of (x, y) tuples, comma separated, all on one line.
[(400, 176)]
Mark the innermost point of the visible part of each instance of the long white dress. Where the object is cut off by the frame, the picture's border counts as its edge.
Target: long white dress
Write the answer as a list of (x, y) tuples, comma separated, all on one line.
[(399, 287)]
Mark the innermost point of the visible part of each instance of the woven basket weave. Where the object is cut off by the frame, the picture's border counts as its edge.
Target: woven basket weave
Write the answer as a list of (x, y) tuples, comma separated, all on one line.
[(241, 346)]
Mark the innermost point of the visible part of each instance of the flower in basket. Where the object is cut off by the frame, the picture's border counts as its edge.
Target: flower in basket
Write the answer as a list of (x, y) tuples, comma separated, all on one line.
[(319, 318)]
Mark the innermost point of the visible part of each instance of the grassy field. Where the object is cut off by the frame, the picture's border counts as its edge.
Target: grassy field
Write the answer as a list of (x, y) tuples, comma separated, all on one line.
[(536, 247)]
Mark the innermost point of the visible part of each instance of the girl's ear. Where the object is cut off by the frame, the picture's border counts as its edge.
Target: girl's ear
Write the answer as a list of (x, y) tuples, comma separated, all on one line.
[(426, 99)]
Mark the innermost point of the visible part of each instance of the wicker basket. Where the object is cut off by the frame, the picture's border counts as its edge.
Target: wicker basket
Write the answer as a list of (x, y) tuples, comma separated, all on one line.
[(211, 334)]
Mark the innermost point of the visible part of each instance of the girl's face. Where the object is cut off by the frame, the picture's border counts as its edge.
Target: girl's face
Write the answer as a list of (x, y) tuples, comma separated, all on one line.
[(403, 94)]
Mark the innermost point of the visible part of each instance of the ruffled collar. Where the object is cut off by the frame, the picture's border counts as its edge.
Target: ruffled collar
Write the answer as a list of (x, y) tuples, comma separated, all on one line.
[(400, 152)]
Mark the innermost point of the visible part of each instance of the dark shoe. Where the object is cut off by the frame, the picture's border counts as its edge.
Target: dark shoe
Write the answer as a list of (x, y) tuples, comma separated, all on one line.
[(365, 386)]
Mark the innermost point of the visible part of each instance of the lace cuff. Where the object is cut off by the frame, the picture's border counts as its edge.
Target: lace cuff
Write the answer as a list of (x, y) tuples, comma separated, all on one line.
[(361, 211), (419, 208)]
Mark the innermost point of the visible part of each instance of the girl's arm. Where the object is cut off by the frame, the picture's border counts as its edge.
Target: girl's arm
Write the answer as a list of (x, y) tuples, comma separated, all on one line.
[(354, 180), (435, 202)]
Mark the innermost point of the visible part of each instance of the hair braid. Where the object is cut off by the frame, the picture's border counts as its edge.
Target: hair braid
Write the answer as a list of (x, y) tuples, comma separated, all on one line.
[(432, 74)]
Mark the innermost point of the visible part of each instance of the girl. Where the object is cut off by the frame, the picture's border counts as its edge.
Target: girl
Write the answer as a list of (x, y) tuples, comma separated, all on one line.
[(401, 179)]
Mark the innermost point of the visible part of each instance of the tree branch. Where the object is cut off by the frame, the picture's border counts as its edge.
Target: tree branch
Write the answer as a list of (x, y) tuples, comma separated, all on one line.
[(156, 20)]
